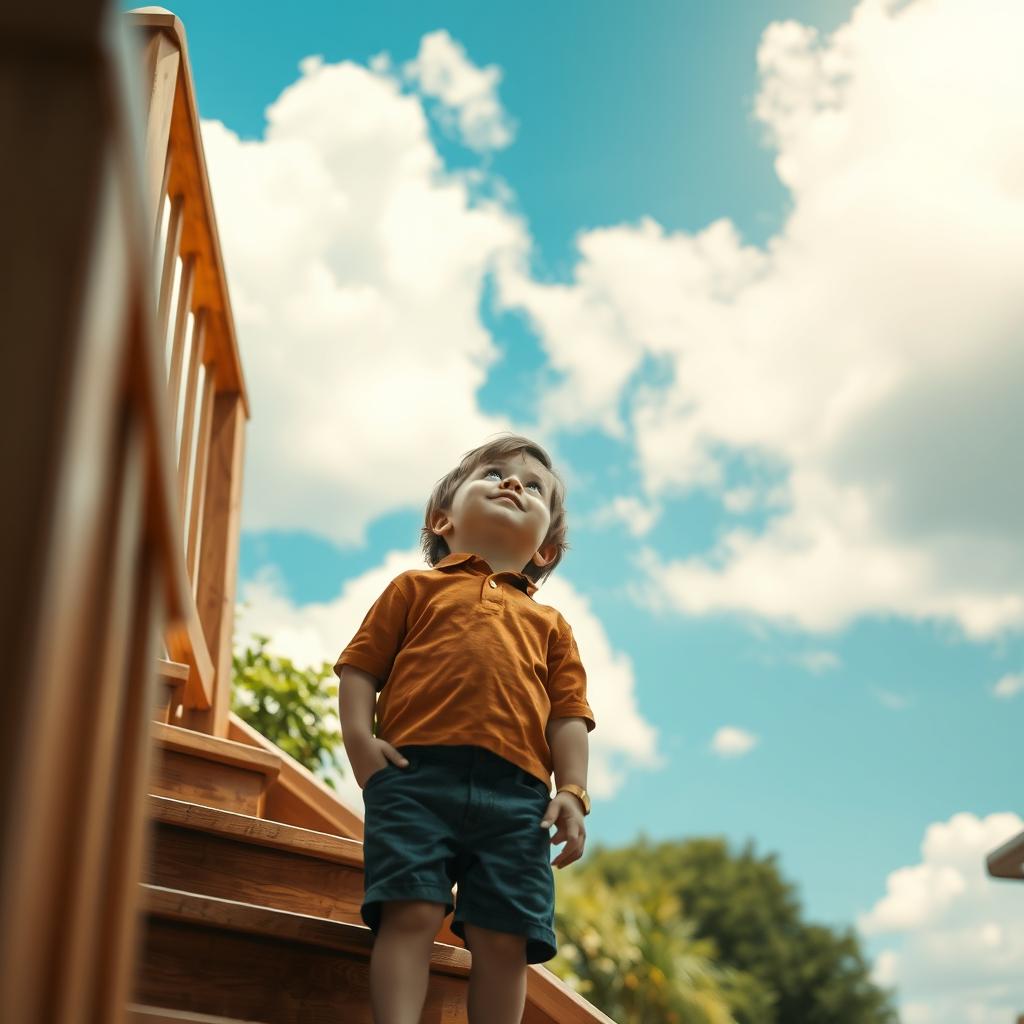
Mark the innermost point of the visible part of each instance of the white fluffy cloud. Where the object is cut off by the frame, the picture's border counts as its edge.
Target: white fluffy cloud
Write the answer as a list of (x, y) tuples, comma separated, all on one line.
[(729, 741), (637, 516), (1009, 685), (313, 633), (468, 94), (958, 934), (356, 264), (873, 349)]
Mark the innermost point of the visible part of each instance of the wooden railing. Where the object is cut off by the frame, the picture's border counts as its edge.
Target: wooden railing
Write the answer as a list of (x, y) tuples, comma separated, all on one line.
[(206, 388), (122, 422)]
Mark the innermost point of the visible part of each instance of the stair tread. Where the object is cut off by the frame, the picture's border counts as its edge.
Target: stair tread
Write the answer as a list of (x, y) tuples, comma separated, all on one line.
[(215, 748), (214, 912), (258, 831), (140, 1014), (173, 672)]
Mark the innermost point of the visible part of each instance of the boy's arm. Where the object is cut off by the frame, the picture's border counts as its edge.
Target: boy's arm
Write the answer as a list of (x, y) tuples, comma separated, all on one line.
[(365, 664), (357, 699), (567, 738), (567, 691)]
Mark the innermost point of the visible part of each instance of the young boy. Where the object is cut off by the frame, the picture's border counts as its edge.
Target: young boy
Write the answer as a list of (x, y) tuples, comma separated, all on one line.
[(482, 694)]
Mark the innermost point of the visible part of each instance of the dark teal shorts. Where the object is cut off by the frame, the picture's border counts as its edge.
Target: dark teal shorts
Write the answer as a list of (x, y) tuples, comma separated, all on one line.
[(462, 814)]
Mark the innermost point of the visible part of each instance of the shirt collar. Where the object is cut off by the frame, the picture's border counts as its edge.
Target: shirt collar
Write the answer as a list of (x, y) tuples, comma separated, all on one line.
[(474, 563)]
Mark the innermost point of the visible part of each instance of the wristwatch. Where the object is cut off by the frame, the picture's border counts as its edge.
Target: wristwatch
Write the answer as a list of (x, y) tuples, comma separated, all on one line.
[(578, 791)]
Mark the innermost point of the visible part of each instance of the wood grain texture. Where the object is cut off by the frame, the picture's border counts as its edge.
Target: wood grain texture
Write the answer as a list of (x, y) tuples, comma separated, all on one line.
[(139, 1014), (189, 177), (218, 560), (222, 957)]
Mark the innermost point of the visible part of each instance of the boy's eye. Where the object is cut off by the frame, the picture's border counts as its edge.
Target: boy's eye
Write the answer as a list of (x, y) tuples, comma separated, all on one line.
[(497, 472)]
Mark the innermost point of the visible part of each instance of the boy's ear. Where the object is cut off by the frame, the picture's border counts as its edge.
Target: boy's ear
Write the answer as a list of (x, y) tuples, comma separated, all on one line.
[(544, 555), (441, 524)]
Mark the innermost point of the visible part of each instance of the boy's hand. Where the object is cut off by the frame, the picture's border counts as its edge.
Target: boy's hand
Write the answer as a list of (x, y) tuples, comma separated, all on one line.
[(567, 812), (371, 755)]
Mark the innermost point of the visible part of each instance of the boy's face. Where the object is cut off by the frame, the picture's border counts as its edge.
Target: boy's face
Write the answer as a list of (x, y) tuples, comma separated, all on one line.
[(502, 508)]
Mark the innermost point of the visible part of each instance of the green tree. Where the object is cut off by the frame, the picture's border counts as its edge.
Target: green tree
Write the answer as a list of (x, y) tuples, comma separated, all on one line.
[(785, 970), (630, 952), (296, 708)]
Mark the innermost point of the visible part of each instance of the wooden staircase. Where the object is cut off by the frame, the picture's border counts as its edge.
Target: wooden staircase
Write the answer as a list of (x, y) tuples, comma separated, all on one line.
[(162, 861), (251, 919)]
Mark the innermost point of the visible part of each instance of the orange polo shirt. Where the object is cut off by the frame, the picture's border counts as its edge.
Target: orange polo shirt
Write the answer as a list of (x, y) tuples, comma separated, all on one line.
[(462, 654)]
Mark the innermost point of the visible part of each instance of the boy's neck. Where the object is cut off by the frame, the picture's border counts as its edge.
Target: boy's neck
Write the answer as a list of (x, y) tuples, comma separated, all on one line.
[(499, 561)]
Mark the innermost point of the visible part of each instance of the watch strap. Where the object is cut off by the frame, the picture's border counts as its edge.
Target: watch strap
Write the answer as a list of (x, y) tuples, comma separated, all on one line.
[(578, 791)]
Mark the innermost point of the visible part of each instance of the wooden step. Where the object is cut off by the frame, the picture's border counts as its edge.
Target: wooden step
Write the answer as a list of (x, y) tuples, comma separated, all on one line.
[(234, 856), (215, 956), (210, 770), (237, 857), (138, 1014)]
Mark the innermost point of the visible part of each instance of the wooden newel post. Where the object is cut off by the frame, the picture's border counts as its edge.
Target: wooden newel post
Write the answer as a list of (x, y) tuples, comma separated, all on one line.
[(218, 560)]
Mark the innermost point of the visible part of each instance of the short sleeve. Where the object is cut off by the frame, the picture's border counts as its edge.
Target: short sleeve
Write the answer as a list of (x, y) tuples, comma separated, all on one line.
[(379, 639), (567, 679)]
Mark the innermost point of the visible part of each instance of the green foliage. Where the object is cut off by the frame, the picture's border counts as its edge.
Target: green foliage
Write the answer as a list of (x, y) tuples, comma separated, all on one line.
[(780, 969), (630, 952), (294, 708)]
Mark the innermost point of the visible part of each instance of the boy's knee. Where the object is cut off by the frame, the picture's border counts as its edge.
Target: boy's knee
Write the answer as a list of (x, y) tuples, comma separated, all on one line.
[(501, 945), (412, 915)]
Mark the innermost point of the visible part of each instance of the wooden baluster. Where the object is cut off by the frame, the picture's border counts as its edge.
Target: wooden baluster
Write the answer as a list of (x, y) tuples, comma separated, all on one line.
[(188, 269), (199, 473), (218, 566), (172, 243), (161, 203), (189, 417)]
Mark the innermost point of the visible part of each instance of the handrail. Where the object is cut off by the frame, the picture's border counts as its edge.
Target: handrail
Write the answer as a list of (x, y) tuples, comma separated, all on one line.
[(204, 374), (92, 549), (188, 177)]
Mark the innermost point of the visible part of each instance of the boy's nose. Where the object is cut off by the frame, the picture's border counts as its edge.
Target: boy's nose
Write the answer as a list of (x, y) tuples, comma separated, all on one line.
[(513, 482)]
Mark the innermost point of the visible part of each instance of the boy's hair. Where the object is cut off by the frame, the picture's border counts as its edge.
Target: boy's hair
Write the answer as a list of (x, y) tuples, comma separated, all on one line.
[(435, 548)]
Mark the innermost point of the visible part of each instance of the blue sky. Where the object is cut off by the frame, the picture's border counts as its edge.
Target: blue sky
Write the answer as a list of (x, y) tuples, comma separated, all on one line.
[(764, 380)]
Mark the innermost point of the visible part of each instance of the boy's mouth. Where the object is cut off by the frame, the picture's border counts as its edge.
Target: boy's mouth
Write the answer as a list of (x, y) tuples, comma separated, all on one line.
[(508, 497)]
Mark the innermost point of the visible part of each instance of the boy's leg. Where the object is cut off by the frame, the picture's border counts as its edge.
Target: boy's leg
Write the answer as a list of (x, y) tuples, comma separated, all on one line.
[(400, 961), (497, 979)]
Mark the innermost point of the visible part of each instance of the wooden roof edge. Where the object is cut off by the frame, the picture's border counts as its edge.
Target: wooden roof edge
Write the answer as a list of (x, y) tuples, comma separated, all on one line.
[(166, 21), (1007, 861)]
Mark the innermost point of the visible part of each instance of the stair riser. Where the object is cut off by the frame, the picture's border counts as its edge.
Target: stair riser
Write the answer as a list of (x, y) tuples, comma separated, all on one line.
[(231, 867), (186, 966), (186, 777), (214, 866)]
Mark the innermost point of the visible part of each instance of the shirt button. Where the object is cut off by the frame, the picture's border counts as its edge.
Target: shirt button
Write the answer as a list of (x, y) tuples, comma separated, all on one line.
[(493, 585)]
